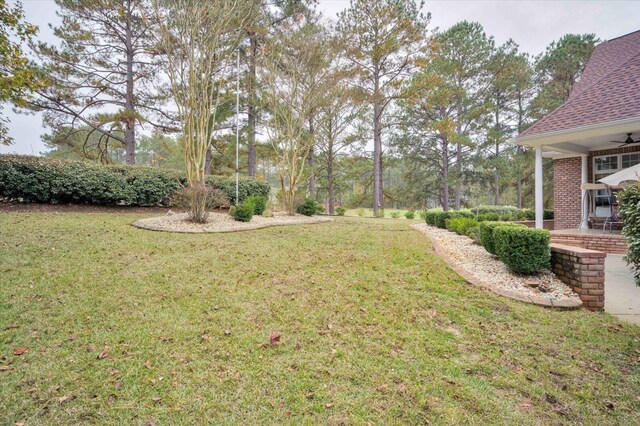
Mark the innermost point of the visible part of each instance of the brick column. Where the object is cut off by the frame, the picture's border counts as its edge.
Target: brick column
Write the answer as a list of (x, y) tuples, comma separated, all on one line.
[(583, 271), (567, 192)]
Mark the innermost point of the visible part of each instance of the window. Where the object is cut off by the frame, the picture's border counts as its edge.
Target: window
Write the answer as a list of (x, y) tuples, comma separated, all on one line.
[(607, 165), (629, 160)]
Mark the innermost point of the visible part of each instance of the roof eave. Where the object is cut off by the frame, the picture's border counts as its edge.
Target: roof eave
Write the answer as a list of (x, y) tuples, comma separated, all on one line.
[(576, 134)]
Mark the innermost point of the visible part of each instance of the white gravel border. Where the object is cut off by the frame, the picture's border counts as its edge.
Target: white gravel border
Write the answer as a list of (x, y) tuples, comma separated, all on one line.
[(488, 271), (222, 222)]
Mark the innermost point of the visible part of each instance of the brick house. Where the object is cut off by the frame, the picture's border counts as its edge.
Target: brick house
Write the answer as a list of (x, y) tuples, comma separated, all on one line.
[(604, 106)]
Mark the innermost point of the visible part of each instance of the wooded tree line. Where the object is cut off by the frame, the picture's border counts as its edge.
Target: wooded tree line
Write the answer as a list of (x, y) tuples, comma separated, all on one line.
[(372, 108)]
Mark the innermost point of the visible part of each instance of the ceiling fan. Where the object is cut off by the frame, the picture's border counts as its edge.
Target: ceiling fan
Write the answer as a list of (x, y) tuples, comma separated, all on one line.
[(628, 140)]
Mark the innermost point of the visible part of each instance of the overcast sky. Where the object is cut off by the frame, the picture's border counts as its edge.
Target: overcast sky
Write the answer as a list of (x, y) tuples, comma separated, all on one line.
[(532, 24)]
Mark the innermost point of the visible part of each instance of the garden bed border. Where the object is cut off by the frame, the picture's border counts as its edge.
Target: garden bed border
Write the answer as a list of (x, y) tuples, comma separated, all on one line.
[(569, 303)]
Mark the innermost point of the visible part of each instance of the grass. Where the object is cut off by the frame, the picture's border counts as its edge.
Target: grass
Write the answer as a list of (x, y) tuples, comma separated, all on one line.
[(374, 329)]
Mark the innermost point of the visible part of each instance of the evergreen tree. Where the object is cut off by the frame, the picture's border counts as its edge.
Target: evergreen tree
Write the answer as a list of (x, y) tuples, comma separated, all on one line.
[(103, 74)]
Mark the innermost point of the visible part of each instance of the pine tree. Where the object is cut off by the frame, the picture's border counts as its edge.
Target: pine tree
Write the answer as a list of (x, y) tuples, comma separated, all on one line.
[(103, 73)]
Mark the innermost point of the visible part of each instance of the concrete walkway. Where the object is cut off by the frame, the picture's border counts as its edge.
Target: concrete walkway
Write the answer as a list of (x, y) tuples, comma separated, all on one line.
[(622, 296)]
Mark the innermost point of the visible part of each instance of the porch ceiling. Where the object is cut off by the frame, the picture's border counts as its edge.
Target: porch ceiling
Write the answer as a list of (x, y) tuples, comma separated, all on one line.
[(582, 140)]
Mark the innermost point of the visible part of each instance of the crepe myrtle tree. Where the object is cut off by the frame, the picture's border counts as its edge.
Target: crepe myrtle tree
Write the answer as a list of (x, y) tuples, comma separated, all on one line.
[(200, 40), (295, 77)]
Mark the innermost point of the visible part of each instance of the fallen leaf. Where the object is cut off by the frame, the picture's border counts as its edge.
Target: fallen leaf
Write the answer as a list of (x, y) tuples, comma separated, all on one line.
[(4, 367), (148, 364), (20, 351), (104, 353), (112, 371), (62, 399), (227, 332), (156, 399), (274, 339), (74, 337), (328, 405), (609, 405)]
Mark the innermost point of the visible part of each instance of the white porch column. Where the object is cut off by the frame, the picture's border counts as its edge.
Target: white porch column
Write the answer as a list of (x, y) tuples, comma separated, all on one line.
[(584, 222), (538, 178)]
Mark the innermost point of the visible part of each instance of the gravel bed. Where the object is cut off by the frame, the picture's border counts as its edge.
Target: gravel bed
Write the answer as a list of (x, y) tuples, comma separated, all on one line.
[(222, 222), (475, 260)]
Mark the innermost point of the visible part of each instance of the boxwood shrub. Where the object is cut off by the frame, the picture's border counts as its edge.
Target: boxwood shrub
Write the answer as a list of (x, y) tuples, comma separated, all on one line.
[(442, 216), (486, 234), (259, 203), (309, 207), (460, 225), (524, 250), (43, 180), (630, 211)]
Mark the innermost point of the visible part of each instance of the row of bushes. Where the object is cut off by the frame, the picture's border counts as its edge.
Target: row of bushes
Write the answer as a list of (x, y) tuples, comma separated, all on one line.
[(34, 179), (524, 250), (438, 217)]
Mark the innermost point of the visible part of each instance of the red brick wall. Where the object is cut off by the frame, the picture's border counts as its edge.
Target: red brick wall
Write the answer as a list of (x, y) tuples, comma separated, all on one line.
[(624, 150), (567, 194), (583, 271)]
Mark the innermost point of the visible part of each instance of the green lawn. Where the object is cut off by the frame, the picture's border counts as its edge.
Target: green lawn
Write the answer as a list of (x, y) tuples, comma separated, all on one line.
[(374, 328)]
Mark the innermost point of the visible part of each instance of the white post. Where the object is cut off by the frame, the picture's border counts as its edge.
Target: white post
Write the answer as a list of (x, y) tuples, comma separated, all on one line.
[(584, 222), (237, 121), (539, 200)]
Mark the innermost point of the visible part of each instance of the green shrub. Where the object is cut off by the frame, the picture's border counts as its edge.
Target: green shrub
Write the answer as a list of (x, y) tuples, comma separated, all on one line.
[(499, 210), (486, 234), (474, 234), (630, 211), (361, 212), (430, 216), (340, 211), (524, 250), (43, 180), (379, 214), (259, 203), (232, 211), (309, 207), (423, 215), (395, 215), (442, 216), (410, 214), (546, 215), (460, 225), (244, 212)]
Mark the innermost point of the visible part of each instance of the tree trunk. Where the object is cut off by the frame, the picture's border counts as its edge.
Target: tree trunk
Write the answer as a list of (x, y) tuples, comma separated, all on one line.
[(130, 120), (330, 175), (207, 163), (458, 196), (251, 108), (445, 176), (311, 160), (497, 174), (377, 146)]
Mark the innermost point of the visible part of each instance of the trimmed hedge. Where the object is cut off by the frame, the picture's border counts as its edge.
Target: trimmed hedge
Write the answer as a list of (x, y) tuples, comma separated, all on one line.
[(486, 234), (461, 225), (441, 217), (35, 179), (259, 203), (309, 207), (629, 199), (524, 250)]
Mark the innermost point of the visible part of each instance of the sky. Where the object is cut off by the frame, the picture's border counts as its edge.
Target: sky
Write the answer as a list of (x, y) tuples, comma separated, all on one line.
[(531, 24)]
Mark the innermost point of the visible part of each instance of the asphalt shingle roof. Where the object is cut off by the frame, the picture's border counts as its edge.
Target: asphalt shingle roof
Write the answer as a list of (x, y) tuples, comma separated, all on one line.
[(609, 89)]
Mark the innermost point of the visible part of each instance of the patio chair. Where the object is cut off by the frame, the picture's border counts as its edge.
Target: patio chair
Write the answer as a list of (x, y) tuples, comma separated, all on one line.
[(614, 217)]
